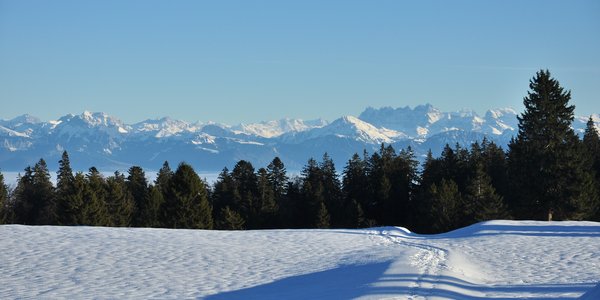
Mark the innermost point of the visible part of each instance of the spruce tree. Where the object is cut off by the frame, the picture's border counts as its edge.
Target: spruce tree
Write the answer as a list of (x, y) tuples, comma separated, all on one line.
[(332, 192), (266, 201), (230, 220), (137, 185), (481, 201), (355, 192), (94, 204), (246, 185), (187, 203), (446, 201), (119, 201), (3, 200), (65, 189), (24, 198), (591, 140), (547, 167), (34, 197)]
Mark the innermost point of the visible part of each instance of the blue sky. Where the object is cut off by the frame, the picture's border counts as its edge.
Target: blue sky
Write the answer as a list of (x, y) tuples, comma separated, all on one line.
[(246, 61)]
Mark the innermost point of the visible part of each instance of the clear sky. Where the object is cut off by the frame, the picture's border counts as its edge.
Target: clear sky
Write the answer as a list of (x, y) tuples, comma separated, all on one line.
[(246, 61)]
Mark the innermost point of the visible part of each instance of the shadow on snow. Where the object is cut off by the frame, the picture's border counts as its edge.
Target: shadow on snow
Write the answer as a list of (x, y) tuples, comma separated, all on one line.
[(370, 280)]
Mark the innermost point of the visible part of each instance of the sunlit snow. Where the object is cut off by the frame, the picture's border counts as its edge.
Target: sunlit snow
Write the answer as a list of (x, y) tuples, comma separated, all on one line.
[(497, 259)]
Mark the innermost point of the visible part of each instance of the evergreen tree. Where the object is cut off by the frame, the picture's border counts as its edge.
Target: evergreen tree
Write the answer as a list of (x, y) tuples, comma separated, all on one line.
[(119, 201), (155, 202), (446, 201), (225, 194), (481, 201), (3, 201), (163, 178), (355, 191), (66, 212), (591, 140), (144, 213), (94, 199), (547, 167), (266, 201), (230, 220), (34, 195), (323, 218), (278, 178), (246, 185), (187, 203), (24, 198), (332, 192)]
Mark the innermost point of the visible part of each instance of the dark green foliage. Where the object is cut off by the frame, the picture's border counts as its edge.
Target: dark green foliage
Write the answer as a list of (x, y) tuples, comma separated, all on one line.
[(94, 199), (186, 205), (547, 168), (591, 140), (230, 220), (355, 193), (120, 205), (481, 203), (446, 205), (4, 208), (267, 213), (34, 197), (145, 213)]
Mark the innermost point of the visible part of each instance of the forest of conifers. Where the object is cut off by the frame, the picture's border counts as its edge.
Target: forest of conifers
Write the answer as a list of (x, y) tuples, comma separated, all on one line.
[(547, 169)]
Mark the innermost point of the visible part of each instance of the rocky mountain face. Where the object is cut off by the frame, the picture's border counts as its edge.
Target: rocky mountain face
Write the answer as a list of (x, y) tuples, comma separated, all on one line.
[(98, 139)]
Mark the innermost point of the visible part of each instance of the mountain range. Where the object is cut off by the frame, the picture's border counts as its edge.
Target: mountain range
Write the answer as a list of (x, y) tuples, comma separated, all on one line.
[(103, 141)]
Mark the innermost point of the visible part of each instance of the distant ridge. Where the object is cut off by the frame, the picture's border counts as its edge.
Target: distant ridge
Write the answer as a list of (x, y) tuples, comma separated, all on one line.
[(101, 140)]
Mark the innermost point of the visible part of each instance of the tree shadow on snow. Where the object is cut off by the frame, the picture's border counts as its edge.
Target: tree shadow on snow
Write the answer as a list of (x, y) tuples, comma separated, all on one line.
[(370, 280), (345, 282)]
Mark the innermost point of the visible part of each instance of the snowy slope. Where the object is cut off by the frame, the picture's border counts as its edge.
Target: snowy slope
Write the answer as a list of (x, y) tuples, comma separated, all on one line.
[(498, 259)]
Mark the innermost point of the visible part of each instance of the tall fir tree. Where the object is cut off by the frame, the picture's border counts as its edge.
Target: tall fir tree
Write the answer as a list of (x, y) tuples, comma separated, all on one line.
[(266, 201), (137, 185), (246, 184), (4, 208), (119, 201), (34, 203), (591, 140), (547, 167), (94, 204), (355, 192), (481, 202), (66, 210), (187, 205), (446, 206), (332, 192)]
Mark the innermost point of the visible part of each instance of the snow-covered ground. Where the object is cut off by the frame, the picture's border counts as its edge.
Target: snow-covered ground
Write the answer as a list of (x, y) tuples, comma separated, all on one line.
[(497, 259)]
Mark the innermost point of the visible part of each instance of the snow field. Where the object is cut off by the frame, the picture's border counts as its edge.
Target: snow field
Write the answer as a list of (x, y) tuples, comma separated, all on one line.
[(498, 259)]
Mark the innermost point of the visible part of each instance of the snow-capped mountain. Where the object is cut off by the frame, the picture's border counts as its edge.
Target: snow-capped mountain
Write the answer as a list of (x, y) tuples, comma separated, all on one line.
[(101, 140)]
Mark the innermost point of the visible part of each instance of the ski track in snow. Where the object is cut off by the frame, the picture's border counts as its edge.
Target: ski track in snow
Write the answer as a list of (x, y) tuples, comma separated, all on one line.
[(497, 259)]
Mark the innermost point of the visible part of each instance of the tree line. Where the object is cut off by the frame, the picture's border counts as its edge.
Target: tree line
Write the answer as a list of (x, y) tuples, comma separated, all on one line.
[(547, 169)]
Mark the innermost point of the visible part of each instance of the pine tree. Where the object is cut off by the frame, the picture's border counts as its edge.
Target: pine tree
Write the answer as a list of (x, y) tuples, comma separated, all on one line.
[(332, 192), (3, 201), (230, 220), (119, 201), (34, 197), (446, 201), (481, 201), (266, 201), (65, 189), (591, 140), (323, 218), (94, 196), (187, 203), (137, 185), (246, 185), (355, 191), (546, 162), (278, 178)]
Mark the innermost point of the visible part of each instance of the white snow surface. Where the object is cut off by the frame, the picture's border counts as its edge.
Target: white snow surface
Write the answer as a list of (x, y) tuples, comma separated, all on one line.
[(496, 259)]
